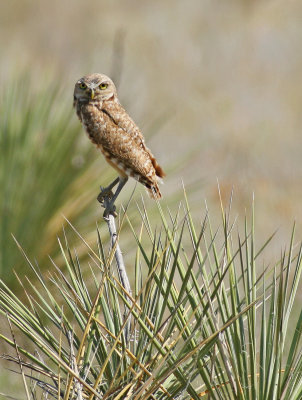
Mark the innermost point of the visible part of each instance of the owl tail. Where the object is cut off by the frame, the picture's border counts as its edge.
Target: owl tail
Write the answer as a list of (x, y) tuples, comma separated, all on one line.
[(153, 191), (158, 169), (152, 185)]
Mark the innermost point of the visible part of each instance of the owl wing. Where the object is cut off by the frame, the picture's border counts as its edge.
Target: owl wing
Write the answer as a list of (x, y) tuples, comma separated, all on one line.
[(120, 117), (141, 159)]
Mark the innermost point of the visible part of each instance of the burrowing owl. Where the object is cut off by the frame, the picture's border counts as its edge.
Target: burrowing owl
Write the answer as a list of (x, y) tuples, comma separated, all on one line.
[(111, 129)]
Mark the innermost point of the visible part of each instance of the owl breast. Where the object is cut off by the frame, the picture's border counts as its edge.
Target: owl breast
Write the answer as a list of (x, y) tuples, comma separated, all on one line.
[(93, 121), (103, 133)]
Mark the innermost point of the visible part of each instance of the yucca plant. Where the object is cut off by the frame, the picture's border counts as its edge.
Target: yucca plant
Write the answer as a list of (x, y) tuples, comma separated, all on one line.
[(204, 318)]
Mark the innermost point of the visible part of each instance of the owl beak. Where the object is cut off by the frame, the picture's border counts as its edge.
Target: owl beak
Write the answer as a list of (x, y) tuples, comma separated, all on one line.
[(91, 93)]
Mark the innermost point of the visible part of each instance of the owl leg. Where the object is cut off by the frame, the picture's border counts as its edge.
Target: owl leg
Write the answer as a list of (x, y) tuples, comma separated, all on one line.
[(106, 192), (109, 205)]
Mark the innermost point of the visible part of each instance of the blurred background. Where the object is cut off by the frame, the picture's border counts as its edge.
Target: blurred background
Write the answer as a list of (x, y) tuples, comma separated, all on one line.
[(215, 87)]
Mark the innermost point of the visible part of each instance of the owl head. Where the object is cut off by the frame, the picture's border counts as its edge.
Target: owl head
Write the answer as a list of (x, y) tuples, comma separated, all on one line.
[(96, 87)]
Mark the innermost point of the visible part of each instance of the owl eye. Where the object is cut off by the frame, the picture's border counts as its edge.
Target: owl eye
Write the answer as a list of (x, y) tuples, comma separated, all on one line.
[(103, 86), (83, 85)]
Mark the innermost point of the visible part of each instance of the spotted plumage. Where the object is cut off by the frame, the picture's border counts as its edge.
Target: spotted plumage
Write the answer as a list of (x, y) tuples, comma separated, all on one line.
[(111, 129)]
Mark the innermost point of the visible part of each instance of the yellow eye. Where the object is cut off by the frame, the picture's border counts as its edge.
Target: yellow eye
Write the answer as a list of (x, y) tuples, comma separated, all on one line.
[(83, 85), (103, 86)]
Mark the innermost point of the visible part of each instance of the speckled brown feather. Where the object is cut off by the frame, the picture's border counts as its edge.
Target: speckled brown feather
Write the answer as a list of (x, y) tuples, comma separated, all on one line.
[(110, 128)]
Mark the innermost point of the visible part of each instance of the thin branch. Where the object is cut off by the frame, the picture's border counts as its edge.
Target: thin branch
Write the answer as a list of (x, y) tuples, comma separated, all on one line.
[(123, 277)]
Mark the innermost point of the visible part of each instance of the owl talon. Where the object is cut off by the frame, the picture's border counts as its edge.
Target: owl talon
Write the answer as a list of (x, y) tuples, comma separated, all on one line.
[(105, 198), (104, 194)]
